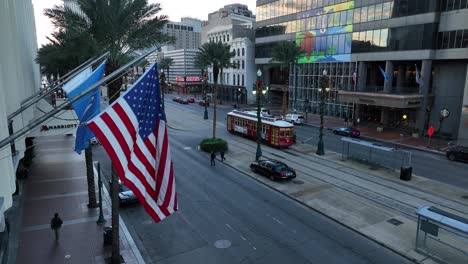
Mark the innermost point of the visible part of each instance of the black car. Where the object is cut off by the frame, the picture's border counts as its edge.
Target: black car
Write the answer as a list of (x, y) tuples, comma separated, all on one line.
[(126, 196), (177, 99), (346, 131), (458, 153), (273, 169)]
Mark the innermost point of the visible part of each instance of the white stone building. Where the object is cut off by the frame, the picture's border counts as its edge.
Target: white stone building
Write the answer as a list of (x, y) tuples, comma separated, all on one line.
[(19, 78), (233, 25)]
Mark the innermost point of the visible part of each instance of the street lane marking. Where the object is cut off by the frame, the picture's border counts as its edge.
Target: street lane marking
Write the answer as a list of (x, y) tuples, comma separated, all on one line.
[(245, 239), (187, 148)]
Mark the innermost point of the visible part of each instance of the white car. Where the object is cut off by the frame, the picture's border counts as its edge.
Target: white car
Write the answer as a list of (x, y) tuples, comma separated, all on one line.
[(295, 119)]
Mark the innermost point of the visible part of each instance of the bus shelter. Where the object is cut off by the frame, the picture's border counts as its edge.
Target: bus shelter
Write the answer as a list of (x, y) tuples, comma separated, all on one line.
[(442, 235), (374, 153)]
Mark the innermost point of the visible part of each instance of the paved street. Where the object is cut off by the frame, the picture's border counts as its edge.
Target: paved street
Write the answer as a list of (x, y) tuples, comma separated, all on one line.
[(225, 217), (432, 166)]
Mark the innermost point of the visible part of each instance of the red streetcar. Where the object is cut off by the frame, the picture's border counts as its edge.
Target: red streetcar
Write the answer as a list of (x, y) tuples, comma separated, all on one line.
[(276, 132)]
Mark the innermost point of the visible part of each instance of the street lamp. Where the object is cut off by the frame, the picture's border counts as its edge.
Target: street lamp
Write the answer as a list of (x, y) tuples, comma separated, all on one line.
[(163, 86), (205, 81), (258, 91), (324, 88)]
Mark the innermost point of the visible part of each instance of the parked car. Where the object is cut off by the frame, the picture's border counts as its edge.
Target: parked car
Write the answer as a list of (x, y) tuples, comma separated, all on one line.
[(347, 131), (203, 103), (177, 99), (273, 169), (183, 101), (191, 100), (94, 141), (126, 196), (295, 119), (457, 153)]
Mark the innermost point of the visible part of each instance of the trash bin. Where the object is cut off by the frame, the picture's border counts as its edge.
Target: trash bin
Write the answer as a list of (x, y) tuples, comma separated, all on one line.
[(107, 235), (405, 173)]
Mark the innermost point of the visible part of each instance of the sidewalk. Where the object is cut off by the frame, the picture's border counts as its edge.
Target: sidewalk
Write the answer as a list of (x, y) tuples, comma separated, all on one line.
[(388, 136), (372, 201), (57, 183)]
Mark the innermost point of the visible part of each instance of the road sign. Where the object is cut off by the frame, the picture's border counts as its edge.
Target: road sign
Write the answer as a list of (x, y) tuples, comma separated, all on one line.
[(430, 131), (444, 112)]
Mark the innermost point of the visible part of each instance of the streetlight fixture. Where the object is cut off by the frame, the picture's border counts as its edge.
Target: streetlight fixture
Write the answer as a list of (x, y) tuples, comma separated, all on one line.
[(322, 91), (258, 91), (101, 219)]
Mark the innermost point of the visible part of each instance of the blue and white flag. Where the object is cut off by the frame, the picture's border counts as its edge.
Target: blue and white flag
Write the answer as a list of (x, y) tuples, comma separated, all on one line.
[(86, 107), (387, 76), (419, 79)]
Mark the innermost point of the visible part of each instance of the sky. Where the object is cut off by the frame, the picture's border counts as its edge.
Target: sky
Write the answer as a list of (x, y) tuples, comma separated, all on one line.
[(175, 9)]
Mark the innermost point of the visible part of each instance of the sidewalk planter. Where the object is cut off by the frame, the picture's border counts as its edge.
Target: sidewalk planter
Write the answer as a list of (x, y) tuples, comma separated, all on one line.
[(213, 145)]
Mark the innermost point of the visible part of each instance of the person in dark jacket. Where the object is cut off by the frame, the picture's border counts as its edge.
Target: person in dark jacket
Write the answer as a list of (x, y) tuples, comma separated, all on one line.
[(56, 224), (222, 155), (213, 157)]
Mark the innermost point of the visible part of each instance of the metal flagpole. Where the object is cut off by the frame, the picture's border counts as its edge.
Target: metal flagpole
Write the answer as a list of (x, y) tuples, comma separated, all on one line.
[(31, 102), (57, 81), (63, 106)]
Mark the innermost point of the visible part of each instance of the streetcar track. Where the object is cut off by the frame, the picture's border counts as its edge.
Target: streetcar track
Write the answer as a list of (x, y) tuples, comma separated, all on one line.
[(387, 204)]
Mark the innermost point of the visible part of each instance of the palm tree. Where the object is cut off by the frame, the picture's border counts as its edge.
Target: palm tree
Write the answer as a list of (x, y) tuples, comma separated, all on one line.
[(120, 27), (165, 64), (218, 56), (286, 53)]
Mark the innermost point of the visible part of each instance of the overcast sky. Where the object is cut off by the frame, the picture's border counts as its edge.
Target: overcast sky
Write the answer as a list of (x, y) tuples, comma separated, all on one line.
[(175, 9)]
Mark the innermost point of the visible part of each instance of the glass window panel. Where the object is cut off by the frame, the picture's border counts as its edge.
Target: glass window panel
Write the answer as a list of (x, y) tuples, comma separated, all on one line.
[(318, 45), (323, 45), (465, 39), (314, 4), (364, 14), (336, 45), (349, 17), (356, 36), (445, 40), (342, 43), (383, 37), (329, 46), (357, 15), (362, 36), (378, 11), (370, 13), (376, 38), (336, 19), (386, 10), (369, 36), (348, 43), (330, 20), (319, 22), (458, 39), (343, 18), (319, 3), (451, 39)]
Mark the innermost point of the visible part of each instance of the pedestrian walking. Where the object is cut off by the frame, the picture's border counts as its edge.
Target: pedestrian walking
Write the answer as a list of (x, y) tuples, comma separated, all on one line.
[(222, 155), (213, 157), (56, 224)]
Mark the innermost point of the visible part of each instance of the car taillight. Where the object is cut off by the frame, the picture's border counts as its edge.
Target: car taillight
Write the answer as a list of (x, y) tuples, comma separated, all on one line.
[(282, 174)]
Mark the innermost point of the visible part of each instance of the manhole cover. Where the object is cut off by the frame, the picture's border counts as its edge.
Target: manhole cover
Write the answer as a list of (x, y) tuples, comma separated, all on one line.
[(394, 221), (465, 197), (297, 182), (222, 244)]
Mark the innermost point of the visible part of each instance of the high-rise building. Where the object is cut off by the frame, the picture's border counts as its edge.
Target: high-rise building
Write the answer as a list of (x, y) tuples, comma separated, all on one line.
[(186, 34), (233, 25), (183, 72), (390, 63)]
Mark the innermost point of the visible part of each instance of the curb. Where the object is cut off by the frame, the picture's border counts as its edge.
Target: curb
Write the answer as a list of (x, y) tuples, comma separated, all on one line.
[(321, 213), (405, 146)]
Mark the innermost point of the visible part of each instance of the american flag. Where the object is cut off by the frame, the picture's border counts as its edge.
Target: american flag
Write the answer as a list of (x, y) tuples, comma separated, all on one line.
[(133, 133)]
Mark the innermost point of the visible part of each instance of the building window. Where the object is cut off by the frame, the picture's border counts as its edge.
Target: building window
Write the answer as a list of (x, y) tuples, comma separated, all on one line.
[(238, 52), (224, 38), (242, 79), (243, 64), (228, 37), (243, 52), (238, 79)]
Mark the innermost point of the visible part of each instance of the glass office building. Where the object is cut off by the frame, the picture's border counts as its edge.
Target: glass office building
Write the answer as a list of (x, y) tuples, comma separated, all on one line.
[(385, 59)]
